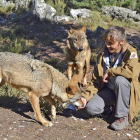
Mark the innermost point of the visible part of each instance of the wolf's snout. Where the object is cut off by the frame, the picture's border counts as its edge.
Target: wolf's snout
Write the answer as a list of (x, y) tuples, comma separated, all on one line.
[(80, 49)]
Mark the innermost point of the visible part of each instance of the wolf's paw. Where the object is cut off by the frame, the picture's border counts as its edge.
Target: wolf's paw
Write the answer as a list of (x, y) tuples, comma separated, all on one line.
[(53, 115), (47, 124), (53, 112)]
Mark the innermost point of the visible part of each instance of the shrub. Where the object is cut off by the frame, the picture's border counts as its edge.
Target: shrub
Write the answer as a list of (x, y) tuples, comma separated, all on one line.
[(94, 22), (93, 57), (20, 30), (52, 61), (127, 4), (7, 90), (5, 11), (138, 6), (59, 5)]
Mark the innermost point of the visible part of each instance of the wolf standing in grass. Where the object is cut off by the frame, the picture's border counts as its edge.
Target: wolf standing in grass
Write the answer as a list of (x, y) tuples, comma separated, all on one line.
[(38, 80), (78, 53)]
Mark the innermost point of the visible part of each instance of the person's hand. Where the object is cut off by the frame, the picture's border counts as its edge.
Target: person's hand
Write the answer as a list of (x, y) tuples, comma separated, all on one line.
[(105, 78), (84, 103)]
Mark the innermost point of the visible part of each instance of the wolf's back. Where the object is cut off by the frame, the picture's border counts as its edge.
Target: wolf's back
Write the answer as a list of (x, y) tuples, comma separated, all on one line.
[(19, 69), (9, 60)]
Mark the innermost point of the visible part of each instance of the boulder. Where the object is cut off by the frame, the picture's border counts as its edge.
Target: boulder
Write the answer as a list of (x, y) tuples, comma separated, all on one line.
[(121, 13), (22, 4), (62, 18), (4, 3), (43, 10), (82, 13)]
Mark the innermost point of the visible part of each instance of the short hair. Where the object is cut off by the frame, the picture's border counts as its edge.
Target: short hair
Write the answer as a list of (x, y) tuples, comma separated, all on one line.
[(116, 33)]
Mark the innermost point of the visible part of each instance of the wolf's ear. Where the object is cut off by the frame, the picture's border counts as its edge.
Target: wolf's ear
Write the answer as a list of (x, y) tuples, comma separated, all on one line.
[(84, 29), (70, 30)]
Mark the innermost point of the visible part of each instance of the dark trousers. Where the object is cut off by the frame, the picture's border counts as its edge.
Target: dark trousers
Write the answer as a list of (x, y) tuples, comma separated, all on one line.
[(119, 97)]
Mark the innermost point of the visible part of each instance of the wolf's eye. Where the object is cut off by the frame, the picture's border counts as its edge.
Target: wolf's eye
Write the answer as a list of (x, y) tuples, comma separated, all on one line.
[(68, 89)]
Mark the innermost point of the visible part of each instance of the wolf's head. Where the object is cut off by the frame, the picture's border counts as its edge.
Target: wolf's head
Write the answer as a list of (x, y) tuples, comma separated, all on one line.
[(77, 39), (73, 92)]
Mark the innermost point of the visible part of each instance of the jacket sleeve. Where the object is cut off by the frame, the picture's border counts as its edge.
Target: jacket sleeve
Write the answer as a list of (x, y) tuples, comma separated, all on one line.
[(129, 69)]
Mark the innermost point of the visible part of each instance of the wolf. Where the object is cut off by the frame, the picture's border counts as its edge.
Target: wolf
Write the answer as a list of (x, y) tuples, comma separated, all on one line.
[(38, 79), (78, 53)]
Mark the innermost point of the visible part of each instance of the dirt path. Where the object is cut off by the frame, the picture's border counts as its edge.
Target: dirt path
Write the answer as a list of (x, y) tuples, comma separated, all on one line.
[(20, 125)]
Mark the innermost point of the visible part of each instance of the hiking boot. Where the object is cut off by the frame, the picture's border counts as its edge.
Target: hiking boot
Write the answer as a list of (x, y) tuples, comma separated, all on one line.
[(120, 123)]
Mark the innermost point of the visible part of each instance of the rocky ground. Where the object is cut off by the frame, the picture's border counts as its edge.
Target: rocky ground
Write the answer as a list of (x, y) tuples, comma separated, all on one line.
[(17, 120)]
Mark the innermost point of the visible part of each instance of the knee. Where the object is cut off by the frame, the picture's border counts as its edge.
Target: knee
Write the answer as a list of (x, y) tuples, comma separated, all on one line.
[(95, 109), (121, 80)]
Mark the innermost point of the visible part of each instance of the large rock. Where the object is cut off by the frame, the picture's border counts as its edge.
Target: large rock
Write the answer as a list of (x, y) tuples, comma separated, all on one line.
[(62, 18), (121, 13), (4, 3), (82, 13), (43, 10), (22, 4)]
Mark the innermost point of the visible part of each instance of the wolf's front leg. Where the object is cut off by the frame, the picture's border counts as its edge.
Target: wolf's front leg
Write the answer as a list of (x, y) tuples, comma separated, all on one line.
[(34, 99), (53, 105), (80, 72), (69, 72), (87, 67)]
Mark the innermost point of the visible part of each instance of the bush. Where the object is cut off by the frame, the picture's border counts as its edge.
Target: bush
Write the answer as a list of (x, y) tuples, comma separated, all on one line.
[(127, 4), (138, 6), (5, 11), (94, 22), (18, 46), (59, 5)]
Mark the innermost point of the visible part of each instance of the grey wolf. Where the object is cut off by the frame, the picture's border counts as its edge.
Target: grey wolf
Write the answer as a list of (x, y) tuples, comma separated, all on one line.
[(78, 53), (38, 79)]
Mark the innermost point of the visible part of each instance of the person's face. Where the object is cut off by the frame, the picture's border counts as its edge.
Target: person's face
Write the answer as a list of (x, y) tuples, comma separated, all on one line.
[(113, 45)]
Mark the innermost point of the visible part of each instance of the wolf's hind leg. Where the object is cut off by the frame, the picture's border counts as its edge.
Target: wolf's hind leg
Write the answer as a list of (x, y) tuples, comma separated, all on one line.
[(80, 71), (53, 105), (87, 67), (34, 99)]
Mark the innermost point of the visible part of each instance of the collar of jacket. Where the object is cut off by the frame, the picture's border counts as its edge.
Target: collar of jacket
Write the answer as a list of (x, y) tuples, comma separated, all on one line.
[(125, 47)]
